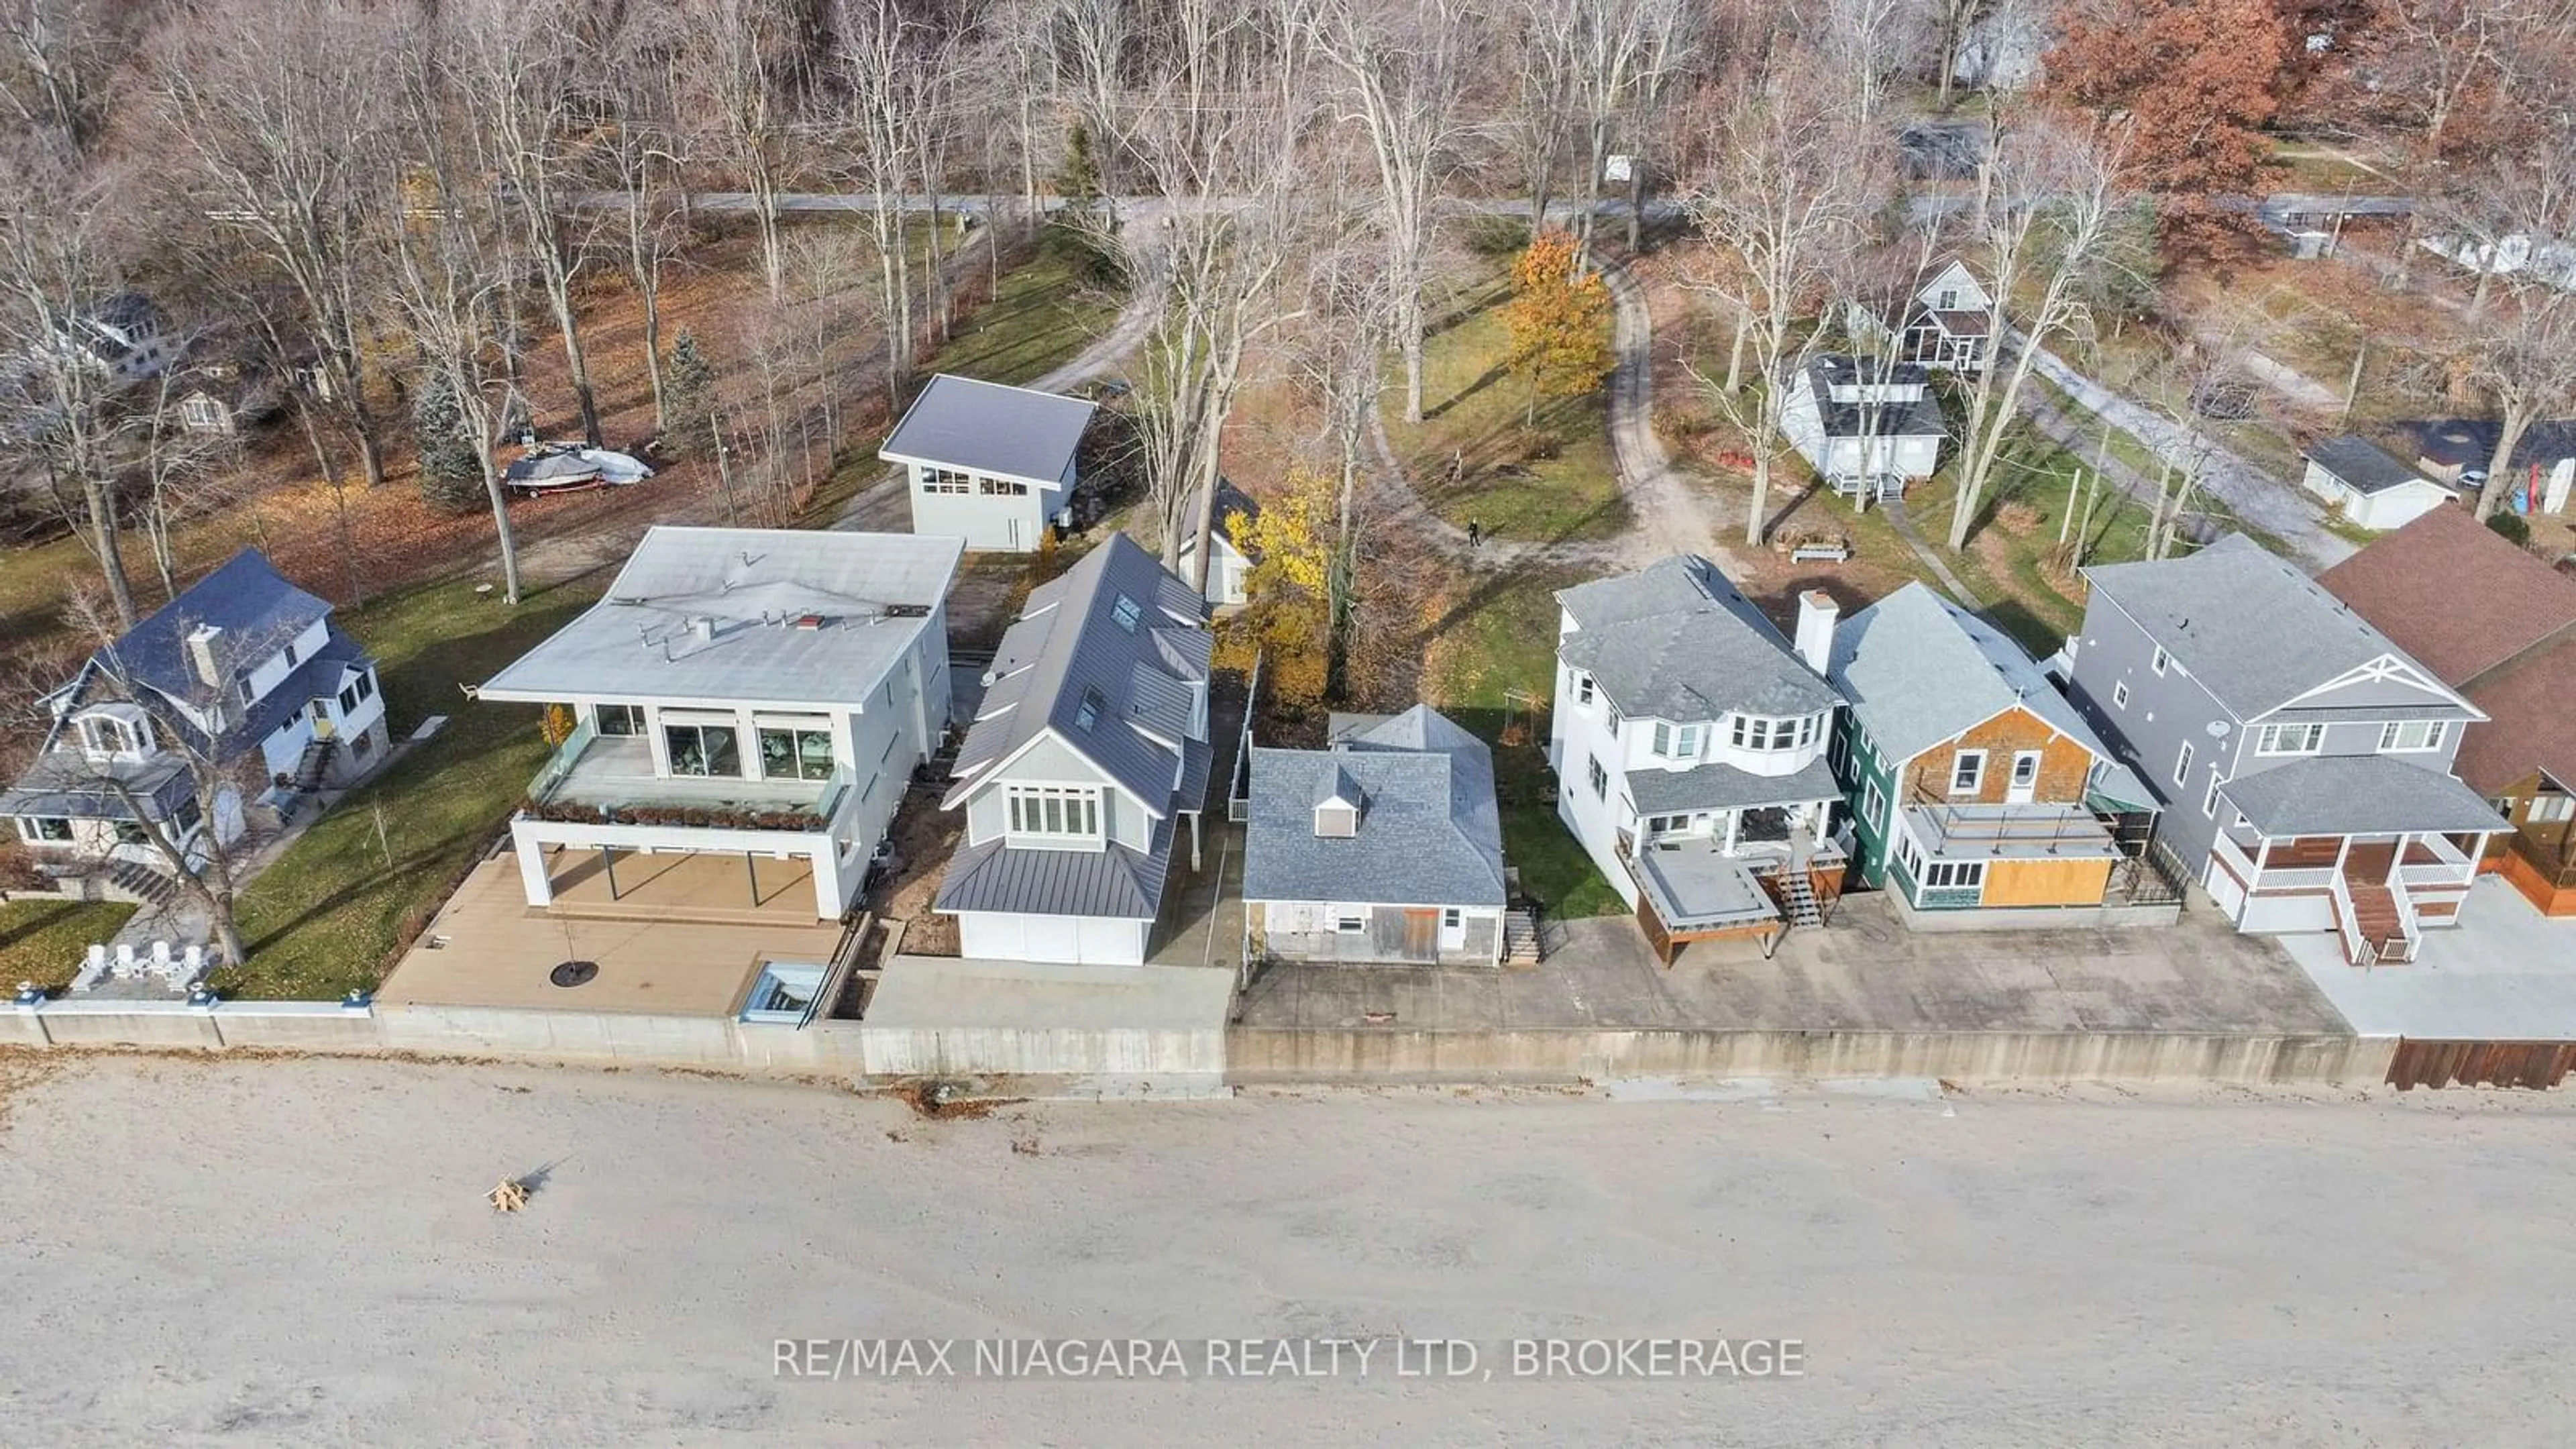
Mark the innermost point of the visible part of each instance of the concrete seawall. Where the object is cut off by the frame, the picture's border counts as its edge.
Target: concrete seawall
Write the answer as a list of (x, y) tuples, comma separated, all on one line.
[(1285, 1056)]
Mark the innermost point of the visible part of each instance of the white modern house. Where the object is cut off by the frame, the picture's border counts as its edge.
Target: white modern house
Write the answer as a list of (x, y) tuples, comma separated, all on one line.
[(749, 695), (1088, 758), (2369, 486), (1688, 739), (1384, 847), (244, 683), (1868, 425), (993, 465)]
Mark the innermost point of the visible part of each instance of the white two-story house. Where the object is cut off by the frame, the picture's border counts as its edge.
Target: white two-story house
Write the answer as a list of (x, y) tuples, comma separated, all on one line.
[(1689, 738), (993, 465), (2303, 761), (241, 687), (747, 695), (1868, 425), (1088, 759)]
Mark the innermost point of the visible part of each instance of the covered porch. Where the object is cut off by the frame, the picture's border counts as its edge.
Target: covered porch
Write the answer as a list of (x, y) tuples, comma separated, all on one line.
[(2372, 848), (1750, 871), (683, 873)]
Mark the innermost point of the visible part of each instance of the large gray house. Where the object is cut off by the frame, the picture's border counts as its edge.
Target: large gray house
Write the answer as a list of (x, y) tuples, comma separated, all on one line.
[(1384, 847), (1089, 749), (2303, 760)]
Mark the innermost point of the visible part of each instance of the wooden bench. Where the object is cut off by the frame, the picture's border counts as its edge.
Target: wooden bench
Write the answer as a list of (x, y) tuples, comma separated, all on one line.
[(1820, 553)]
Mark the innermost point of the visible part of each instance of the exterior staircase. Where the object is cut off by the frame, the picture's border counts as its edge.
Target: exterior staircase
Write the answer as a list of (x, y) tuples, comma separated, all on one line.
[(315, 764), (1798, 899), (2375, 917), (1520, 937), (143, 882)]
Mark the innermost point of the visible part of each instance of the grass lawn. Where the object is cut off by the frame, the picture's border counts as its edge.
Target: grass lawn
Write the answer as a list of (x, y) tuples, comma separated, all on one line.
[(330, 914), (2019, 588), (1494, 655), (1548, 480), (43, 941), (1043, 314)]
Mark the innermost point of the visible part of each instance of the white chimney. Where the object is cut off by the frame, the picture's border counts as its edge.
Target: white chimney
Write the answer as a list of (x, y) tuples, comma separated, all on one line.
[(201, 652), (1817, 613)]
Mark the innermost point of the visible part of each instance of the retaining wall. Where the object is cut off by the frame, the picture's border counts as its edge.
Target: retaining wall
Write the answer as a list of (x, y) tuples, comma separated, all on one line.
[(1264, 1055)]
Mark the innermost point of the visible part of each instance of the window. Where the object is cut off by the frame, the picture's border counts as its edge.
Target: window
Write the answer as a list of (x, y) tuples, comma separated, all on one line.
[(619, 719), (2182, 763), (102, 736), (2413, 734), (1676, 742), (2290, 739), (1967, 771), (1873, 805), (367, 684), (241, 687), (187, 816), (129, 832), (1001, 488), (1351, 920), (202, 413), (946, 480), (1752, 732), (1125, 613), (2550, 809), (44, 829), (2120, 695), (796, 754), (1065, 812), (1955, 874), (1667, 824), (349, 700), (1946, 300), (1662, 744), (1615, 721), (2025, 775), (703, 749), (1452, 918), (1583, 689), (1087, 713), (2159, 663), (1600, 779), (2209, 797), (290, 656)]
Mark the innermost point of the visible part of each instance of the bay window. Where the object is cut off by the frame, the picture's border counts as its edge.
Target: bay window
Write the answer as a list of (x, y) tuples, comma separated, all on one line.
[(1763, 735)]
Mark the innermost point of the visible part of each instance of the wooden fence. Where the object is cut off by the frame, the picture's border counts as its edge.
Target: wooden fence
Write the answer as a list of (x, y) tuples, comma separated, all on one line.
[(2537, 1064)]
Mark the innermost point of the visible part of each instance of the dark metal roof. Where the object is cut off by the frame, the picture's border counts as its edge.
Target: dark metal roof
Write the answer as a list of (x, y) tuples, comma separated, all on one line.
[(1116, 882), (985, 427), (258, 611), (2361, 465)]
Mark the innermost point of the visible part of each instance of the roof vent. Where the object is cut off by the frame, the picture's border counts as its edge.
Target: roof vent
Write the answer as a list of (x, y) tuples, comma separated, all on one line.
[(811, 621), (702, 626)]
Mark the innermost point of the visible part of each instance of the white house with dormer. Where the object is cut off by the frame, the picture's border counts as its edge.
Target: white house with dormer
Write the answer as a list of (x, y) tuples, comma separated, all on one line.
[(241, 687), (1689, 738)]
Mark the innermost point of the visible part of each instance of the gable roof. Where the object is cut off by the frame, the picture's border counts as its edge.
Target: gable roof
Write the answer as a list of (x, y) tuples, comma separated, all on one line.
[(2255, 631), (985, 427), (2508, 641), (1928, 284), (1103, 658), (1429, 833), (258, 611), (1678, 641), (2364, 466), (1920, 670), (2454, 594), (1916, 417), (874, 593)]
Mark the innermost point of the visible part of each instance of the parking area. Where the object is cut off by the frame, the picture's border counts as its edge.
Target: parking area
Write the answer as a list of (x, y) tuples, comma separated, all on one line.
[(1865, 972), (2506, 973)]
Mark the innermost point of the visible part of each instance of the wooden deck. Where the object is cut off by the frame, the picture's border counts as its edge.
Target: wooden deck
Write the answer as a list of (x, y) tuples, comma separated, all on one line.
[(488, 948)]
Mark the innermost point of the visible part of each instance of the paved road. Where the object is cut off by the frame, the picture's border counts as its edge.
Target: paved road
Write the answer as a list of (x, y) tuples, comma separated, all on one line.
[(301, 1254)]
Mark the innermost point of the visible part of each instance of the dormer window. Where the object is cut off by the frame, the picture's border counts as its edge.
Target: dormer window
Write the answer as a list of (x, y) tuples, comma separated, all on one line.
[(290, 656), (1337, 821), (2161, 662), (105, 734), (1088, 714), (1055, 813), (1126, 612), (241, 688), (2411, 735)]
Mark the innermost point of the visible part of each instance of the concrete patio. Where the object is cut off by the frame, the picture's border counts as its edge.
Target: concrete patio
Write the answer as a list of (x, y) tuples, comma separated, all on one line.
[(1864, 972), (2505, 973)]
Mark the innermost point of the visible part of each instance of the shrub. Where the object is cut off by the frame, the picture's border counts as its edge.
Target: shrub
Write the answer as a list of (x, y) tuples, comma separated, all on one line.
[(1497, 236), (2511, 526)]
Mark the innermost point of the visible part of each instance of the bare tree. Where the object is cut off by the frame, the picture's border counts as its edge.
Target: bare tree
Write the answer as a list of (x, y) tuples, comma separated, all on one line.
[(1403, 67), (1539, 53), (2047, 230), (286, 157), (643, 150), (2524, 358), (1784, 203), (741, 81), (68, 364), (882, 63), (55, 58), (1866, 45), (1952, 22), (513, 68), (1623, 53)]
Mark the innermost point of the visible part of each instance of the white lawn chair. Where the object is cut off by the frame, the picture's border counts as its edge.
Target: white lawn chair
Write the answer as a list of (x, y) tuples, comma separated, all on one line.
[(161, 960), (126, 964), (192, 964), (93, 968)]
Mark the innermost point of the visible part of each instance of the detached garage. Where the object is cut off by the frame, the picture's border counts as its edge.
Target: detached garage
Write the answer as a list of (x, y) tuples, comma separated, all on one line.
[(1082, 940), (2371, 487)]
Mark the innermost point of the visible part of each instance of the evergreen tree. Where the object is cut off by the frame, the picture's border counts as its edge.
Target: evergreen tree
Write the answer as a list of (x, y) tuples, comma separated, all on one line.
[(692, 399), (451, 472)]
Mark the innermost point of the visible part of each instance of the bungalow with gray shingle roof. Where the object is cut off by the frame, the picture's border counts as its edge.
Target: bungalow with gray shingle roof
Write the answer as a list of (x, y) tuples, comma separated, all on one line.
[(1386, 847)]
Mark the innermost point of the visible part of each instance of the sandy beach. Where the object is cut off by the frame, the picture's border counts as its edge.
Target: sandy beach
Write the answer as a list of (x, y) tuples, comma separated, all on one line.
[(295, 1251)]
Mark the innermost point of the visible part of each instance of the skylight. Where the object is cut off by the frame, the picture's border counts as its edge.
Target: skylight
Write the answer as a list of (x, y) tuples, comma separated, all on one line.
[(1089, 714), (1126, 612)]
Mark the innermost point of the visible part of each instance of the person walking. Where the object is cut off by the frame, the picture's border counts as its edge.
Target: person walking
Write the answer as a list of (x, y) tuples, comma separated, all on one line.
[(1475, 535)]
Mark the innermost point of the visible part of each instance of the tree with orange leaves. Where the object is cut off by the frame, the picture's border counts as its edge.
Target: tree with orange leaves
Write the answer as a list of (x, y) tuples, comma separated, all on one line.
[(2197, 80), (1559, 321)]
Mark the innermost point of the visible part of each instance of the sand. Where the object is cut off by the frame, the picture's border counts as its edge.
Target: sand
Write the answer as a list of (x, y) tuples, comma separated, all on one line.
[(284, 1251)]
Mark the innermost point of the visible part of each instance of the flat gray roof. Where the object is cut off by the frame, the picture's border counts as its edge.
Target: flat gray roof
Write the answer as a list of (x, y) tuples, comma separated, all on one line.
[(872, 593), (985, 427), (2358, 795)]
